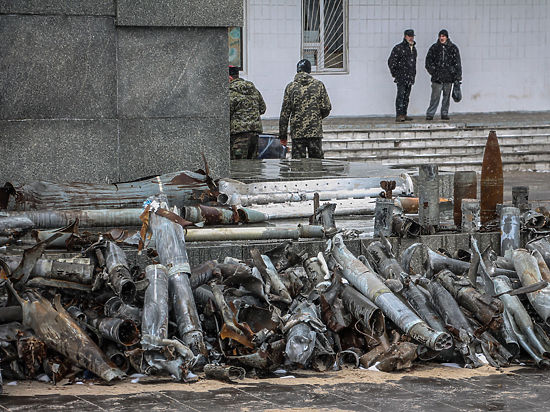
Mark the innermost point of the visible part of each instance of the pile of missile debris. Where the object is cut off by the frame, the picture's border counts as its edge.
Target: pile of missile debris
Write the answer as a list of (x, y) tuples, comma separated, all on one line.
[(111, 302)]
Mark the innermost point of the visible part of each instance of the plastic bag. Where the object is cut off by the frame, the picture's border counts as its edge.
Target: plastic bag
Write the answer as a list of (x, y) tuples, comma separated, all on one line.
[(456, 93), (269, 147)]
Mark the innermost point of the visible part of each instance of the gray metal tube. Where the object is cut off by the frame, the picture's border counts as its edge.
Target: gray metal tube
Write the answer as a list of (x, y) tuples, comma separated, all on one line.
[(543, 246), (470, 215), (10, 224), (116, 308), (518, 314), (120, 278), (154, 320), (370, 285), (72, 269), (170, 245), (300, 338), (363, 309), (509, 229), (383, 215), (528, 272), (51, 219), (253, 233), (428, 197), (439, 262)]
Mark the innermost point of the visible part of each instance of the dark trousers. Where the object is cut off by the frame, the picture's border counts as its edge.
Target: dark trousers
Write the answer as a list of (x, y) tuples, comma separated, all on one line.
[(402, 98), (437, 88), (244, 145), (314, 146)]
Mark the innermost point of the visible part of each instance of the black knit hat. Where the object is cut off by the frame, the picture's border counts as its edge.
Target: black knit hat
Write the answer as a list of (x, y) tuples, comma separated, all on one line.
[(444, 33), (409, 32)]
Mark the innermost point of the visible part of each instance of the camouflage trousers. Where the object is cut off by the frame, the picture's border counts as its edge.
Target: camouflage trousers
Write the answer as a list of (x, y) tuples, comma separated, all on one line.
[(244, 145), (314, 146)]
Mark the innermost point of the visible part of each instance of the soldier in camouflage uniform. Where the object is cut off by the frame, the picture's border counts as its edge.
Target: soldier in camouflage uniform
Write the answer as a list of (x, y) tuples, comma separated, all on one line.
[(246, 106), (305, 105)]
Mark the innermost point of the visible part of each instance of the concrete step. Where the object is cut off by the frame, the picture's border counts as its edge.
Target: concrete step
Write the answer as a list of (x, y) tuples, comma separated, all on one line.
[(525, 144)]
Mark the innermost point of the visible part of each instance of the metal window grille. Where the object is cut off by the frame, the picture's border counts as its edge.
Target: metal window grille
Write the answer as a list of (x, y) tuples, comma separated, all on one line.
[(324, 34)]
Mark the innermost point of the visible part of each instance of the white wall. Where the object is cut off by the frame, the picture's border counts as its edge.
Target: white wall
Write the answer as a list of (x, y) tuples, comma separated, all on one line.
[(504, 44)]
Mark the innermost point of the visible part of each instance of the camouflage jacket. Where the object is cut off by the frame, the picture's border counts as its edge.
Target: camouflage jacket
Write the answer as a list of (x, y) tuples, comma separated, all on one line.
[(246, 105), (305, 104)]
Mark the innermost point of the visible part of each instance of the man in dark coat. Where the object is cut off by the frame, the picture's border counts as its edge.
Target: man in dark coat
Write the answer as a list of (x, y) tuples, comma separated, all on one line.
[(305, 105), (443, 64), (402, 64)]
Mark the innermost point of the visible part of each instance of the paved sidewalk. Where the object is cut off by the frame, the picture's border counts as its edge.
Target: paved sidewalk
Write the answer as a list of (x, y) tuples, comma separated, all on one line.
[(498, 119)]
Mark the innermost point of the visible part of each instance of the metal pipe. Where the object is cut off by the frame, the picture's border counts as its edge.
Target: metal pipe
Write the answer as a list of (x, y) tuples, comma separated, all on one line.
[(123, 331), (509, 229), (179, 187), (116, 308), (438, 262), (120, 278), (51, 219), (428, 197), (470, 215), (528, 272), (265, 198), (535, 342), (362, 309), (224, 373), (118, 358), (13, 224), (70, 269), (483, 307), (532, 219), (253, 233), (210, 215), (170, 245), (464, 187), (155, 304), (383, 215), (369, 284)]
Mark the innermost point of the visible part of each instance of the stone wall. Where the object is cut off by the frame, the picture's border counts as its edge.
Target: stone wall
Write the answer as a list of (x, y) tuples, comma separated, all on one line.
[(96, 90)]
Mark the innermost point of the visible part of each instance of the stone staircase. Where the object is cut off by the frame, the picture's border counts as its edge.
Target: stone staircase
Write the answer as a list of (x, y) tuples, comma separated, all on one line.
[(452, 146)]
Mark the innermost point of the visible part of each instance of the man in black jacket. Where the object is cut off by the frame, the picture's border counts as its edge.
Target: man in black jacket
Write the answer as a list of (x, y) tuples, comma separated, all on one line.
[(402, 64), (443, 64)]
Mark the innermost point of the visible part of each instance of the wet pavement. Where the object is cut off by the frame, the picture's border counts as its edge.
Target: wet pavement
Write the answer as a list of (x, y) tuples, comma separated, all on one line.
[(517, 390)]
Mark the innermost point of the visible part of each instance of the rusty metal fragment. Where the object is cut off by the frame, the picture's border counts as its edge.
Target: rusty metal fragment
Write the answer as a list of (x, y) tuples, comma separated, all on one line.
[(182, 187), (224, 373), (56, 328)]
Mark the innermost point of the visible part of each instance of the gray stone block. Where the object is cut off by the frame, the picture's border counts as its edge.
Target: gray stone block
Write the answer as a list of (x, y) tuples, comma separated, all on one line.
[(179, 13), (66, 7), (200, 252), (172, 72), (57, 67), (157, 146), (58, 150)]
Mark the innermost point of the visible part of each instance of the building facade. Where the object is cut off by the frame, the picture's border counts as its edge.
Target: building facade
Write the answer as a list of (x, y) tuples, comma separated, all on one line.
[(504, 45)]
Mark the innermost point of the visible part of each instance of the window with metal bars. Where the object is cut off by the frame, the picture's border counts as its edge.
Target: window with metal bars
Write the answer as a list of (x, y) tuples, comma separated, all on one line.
[(324, 35)]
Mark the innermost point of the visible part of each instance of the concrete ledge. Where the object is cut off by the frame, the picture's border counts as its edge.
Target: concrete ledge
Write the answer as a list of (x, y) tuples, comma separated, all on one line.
[(180, 13), (64, 7)]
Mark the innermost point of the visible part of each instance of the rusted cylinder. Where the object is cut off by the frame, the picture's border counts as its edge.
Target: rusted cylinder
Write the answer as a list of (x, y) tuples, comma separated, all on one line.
[(520, 197), (123, 331), (464, 187), (470, 215), (428, 197), (383, 213), (492, 181)]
